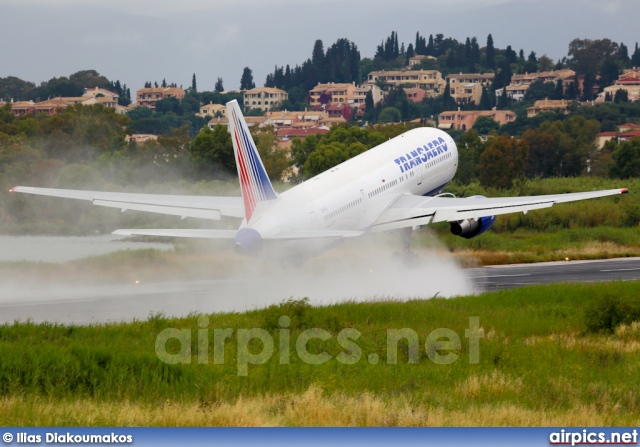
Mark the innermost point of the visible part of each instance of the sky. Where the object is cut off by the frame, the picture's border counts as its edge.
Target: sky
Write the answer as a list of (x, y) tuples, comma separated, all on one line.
[(149, 40)]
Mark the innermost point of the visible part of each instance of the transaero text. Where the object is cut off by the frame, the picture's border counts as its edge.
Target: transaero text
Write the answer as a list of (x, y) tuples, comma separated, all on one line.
[(421, 155)]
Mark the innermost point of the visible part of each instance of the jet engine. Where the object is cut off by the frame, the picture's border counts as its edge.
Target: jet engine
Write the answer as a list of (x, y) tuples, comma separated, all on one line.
[(470, 228), (248, 242)]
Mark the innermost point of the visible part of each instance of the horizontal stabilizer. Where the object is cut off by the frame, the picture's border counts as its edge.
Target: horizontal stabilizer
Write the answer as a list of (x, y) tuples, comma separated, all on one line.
[(201, 207), (199, 234)]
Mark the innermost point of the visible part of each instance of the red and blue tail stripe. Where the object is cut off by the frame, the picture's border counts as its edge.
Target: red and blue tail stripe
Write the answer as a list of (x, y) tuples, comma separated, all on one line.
[(254, 181)]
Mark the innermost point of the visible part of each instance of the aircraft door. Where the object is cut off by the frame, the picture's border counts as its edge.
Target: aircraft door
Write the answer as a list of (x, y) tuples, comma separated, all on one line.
[(363, 196), (314, 219)]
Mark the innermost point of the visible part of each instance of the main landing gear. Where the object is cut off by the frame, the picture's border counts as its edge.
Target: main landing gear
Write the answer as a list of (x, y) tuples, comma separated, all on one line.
[(406, 256)]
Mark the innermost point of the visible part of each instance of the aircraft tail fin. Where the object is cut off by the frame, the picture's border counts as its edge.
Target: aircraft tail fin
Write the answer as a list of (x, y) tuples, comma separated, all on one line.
[(254, 181)]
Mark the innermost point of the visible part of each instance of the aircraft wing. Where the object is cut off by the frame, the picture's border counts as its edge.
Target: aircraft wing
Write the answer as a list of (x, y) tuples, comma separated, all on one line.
[(203, 207), (410, 210)]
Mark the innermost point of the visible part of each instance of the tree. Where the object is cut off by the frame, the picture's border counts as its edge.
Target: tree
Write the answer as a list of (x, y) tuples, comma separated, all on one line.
[(219, 87), (468, 59), (430, 49), (300, 151), (318, 62), (635, 58), (177, 141), (485, 125), (574, 141), (503, 75), (510, 55), (623, 54), (475, 51), (626, 160), (396, 50), (490, 62), (79, 132), (16, 88), (437, 45), (468, 157), (389, 115), (600, 161), (451, 58), (190, 104), (421, 44), (559, 92), (246, 81), (622, 95), (193, 83), (275, 161), (288, 83), (504, 100), (543, 155), (588, 57), (212, 151), (368, 104), (166, 105), (409, 54), (343, 62), (540, 90), (503, 162), (485, 101), (531, 66)]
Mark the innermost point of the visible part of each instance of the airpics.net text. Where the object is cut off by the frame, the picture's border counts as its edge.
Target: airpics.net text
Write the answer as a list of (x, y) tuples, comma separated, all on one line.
[(256, 346)]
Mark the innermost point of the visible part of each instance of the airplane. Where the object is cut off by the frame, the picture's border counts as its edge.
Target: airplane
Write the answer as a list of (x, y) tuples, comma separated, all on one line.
[(396, 185)]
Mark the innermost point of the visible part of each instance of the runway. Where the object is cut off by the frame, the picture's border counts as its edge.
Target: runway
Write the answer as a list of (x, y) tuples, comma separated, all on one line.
[(519, 275), (113, 303)]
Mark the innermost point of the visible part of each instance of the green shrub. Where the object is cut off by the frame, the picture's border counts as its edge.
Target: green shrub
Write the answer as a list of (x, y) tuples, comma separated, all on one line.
[(608, 312)]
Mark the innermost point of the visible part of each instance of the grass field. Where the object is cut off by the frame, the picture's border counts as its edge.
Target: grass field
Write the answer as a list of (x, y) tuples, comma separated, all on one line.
[(549, 355), (524, 246)]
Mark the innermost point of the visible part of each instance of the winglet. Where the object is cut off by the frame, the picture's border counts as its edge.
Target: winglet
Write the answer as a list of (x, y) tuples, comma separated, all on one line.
[(624, 191), (13, 189), (254, 181)]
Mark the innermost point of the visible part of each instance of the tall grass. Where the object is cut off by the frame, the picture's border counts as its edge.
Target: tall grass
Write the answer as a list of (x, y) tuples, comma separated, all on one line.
[(537, 357), (539, 246)]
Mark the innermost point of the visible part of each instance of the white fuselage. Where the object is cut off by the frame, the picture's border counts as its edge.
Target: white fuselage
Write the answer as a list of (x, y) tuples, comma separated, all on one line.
[(352, 195)]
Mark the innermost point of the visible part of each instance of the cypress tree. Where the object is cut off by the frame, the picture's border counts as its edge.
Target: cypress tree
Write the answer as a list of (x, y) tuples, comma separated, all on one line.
[(491, 55), (475, 51), (559, 90), (219, 87), (396, 50), (246, 81), (485, 102), (468, 60), (409, 54), (635, 58), (430, 50)]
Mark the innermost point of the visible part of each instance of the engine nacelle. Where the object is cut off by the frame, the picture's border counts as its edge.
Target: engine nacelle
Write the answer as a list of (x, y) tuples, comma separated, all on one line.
[(469, 228), (248, 242)]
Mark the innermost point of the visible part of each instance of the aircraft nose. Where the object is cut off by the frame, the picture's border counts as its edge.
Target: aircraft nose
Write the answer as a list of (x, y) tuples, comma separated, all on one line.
[(248, 242)]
